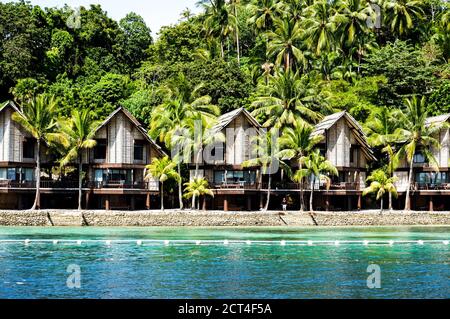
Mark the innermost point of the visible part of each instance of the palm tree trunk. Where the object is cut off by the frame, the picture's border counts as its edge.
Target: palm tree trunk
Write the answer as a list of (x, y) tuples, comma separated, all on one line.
[(390, 201), (162, 196), (38, 177), (311, 197), (391, 174), (268, 193), (237, 35), (381, 209), (180, 187), (287, 62), (222, 53), (302, 199), (407, 199), (197, 168), (80, 180)]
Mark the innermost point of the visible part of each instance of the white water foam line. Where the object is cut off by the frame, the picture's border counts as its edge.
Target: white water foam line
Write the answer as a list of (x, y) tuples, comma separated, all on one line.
[(160, 242)]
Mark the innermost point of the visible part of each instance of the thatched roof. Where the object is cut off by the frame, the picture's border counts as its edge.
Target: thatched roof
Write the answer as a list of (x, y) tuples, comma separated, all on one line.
[(355, 127)]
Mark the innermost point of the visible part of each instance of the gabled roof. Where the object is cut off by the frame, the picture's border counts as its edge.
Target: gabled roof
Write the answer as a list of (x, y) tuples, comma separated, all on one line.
[(437, 119), (329, 121), (225, 119), (135, 122), (11, 104)]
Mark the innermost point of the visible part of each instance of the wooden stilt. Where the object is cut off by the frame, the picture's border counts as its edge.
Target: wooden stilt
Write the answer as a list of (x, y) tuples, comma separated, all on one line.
[(147, 201), (133, 203), (225, 203), (431, 204), (359, 202), (249, 203), (87, 199), (107, 207), (327, 203)]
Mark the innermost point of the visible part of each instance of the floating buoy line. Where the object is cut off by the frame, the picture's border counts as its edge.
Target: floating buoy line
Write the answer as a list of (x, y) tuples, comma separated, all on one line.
[(174, 242)]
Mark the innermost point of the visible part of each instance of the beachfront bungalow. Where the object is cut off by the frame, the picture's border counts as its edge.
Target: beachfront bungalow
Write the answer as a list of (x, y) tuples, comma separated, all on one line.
[(430, 187), (115, 167), (235, 187), (17, 161), (345, 146)]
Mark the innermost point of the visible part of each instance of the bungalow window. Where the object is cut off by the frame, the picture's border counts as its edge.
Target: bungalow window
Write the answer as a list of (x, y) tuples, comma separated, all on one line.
[(100, 150), (120, 175), (10, 174), (419, 158), (138, 150), (28, 148), (235, 177), (353, 154), (425, 178), (323, 150), (27, 174)]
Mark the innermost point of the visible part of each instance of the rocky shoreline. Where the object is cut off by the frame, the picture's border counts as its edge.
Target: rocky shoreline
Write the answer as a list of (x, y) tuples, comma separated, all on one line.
[(219, 218)]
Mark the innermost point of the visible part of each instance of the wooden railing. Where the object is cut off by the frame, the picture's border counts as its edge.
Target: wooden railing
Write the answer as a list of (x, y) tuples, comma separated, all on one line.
[(51, 184), (430, 186), (238, 185), (285, 186)]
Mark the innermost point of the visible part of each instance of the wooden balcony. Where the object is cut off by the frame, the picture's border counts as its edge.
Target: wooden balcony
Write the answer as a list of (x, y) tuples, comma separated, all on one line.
[(238, 185), (122, 185), (53, 184), (430, 186)]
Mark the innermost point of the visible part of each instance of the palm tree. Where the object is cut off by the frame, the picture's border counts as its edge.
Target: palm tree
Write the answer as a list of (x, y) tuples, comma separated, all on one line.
[(284, 43), (79, 132), (234, 7), (267, 156), (352, 20), (400, 14), (294, 9), (162, 169), (264, 13), (192, 136), (196, 188), (317, 168), (381, 127), (219, 23), (320, 27), (182, 101), (417, 136), (38, 117), (296, 142), (288, 98), (380, 184)]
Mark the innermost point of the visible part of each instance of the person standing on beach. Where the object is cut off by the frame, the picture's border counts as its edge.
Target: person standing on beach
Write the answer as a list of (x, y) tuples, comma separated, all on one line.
[(284, 204)]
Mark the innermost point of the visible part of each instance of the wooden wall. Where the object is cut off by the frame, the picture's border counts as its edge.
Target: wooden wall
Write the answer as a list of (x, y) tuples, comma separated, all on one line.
[(11, 138), (238, 148), (120, 134), (340, 138)]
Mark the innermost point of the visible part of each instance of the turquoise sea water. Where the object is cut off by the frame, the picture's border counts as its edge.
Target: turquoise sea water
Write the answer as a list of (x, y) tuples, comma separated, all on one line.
[(226, 263)]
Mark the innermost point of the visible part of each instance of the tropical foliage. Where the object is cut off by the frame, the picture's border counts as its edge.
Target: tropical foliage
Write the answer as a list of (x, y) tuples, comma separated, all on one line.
[(286, 61), (197, 188), (380, 184), (162, 170)]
